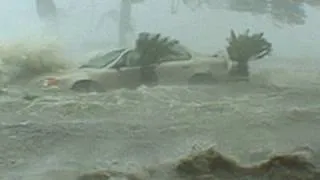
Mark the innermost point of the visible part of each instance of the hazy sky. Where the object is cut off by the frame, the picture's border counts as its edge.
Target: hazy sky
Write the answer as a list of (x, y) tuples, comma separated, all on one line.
[(204, 31)]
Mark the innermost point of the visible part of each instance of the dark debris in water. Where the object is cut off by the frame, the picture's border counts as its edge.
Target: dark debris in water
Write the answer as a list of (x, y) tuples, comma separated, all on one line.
[(30, 97), (212, 165)]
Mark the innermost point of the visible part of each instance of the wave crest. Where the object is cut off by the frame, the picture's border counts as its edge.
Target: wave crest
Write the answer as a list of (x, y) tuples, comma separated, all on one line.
[(20, 61), (211, 164)]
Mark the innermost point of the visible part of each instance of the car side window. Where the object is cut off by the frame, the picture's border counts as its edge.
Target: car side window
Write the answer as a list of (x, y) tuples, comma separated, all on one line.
[(180, 54), (129, 59)]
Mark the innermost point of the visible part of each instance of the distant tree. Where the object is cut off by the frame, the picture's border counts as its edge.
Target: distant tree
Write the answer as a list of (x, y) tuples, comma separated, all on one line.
[(46, 9), (125, 24), (242, 48), (290, 12), (255, 7), (47, 13), (284, 12), (313, 3)]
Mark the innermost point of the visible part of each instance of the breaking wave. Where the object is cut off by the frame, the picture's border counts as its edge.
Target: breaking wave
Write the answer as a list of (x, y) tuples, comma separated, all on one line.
[(23, 60), (210, 164)]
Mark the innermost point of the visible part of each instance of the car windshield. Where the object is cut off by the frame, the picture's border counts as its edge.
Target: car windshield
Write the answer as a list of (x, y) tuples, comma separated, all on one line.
[(104, 60)]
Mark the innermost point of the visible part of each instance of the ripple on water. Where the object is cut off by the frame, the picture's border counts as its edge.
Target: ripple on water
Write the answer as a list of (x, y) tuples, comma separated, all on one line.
[(82, 132)]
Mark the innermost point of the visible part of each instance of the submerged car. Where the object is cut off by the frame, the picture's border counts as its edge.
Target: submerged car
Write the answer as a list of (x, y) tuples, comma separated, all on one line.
[(120, 68)]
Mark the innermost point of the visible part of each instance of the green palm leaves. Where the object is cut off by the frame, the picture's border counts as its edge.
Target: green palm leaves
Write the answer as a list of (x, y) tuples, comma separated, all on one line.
[(152, 48), (245, 47)]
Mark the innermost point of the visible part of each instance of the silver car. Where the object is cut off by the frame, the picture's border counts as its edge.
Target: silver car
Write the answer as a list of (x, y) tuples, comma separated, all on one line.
[(120, 69)]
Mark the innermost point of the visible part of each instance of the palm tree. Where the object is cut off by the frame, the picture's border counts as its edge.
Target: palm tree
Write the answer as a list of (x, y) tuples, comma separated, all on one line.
[(255, 7), (46, 9), (313, 3), (47, 13), (152, 48), (244, 48), (284, 11), (124, 21), (290, 12)]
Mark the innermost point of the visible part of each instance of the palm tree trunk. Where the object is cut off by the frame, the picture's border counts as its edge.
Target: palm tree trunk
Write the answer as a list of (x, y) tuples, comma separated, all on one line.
[(124, 22), (47, 13), (46, 9), (243, 69), (148, 75)]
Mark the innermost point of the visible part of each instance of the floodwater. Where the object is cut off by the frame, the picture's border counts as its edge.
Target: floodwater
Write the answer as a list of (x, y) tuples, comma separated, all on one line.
[(57, 134), (61, 135)]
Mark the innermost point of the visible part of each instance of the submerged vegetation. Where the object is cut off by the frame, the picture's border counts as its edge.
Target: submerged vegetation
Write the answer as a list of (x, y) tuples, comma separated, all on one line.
[(152, 48), (21, 63), (244, 47)]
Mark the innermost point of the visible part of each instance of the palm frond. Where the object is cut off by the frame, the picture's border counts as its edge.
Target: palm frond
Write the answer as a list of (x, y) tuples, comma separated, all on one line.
[(245, 47), (153, 47)]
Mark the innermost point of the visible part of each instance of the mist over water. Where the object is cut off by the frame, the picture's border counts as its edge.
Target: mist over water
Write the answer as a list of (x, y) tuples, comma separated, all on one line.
[(60, 134), (207, 28)]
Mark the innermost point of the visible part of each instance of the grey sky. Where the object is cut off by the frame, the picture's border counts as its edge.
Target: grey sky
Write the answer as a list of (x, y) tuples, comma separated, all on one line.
[(204, 31)]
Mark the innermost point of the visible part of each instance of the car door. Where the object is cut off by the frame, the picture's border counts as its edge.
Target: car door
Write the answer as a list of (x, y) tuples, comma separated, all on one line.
[(177, 68), (128, 71), (174, 72)]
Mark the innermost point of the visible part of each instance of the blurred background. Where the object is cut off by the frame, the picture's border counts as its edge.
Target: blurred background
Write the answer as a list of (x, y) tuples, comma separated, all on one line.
[(290, 24)]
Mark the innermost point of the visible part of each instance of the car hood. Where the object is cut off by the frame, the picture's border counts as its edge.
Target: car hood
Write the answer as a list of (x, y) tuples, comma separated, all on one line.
[(67, 78), (219, 56), (67, 73)]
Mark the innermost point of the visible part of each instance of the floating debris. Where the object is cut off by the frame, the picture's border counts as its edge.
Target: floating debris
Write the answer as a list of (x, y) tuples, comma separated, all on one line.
[(210, 165), (30, 97)]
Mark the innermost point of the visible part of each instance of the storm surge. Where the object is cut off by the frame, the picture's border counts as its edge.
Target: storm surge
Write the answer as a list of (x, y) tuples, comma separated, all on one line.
[(234, 131), (211, 165), (270, 124), (23, 60)]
